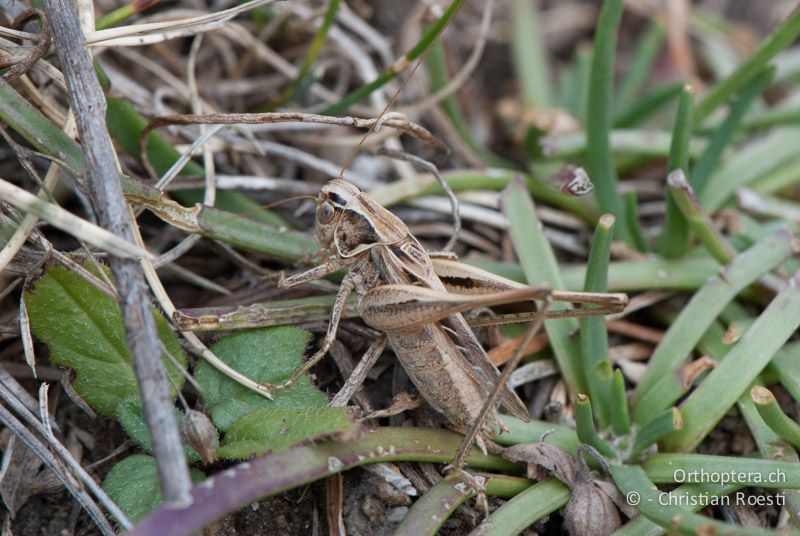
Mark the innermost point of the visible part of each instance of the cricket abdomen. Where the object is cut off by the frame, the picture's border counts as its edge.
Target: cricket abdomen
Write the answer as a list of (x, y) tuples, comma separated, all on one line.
[(440, 374)]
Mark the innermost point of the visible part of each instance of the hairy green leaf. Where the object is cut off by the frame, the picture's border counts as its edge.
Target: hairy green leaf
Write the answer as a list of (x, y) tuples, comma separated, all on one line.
[(133, 485), (83, 328), (129, 415), (267, 356), (273, 429)]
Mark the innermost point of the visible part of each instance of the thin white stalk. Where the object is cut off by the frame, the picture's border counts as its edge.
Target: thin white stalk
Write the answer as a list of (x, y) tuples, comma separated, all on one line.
[(195, 344), (28, 223), (156, 32), (69, 223)]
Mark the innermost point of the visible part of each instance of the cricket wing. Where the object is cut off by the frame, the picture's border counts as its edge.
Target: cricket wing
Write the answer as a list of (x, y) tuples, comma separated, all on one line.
[(408, 263), (483, 366)]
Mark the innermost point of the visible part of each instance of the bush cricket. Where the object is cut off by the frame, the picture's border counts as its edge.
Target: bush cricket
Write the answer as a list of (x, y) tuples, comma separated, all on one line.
[(417, 301), (414, 298)]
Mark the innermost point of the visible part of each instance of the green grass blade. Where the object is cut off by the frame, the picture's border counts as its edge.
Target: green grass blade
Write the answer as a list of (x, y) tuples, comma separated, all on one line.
[(618, 400), (584, 427), (675, 235), (686, 330), (36, 129), (593, 334), (691, 495), (783, 36), (699, 220), (671, 468), (641, 63), (722, 136), (773, 117), (709, 402), (533, 431), (632, 219), (422, 45), (633, 482), (530, 54), (540, 266), (782, 176), (769, 409), (771, 446), (600, 163), (514, 516), (473, 179), (430, 511), (574, 84), (301, 80), (689, 273), (749, 164), (644, 143), (786, 366), (665, 423), (437, 71), (635, 111)]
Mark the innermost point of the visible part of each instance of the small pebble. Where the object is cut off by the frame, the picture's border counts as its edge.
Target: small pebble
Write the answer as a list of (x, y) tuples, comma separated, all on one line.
[(396, 515)]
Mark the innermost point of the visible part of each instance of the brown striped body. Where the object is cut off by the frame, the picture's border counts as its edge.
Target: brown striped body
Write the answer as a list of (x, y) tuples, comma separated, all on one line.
[(443, 359)]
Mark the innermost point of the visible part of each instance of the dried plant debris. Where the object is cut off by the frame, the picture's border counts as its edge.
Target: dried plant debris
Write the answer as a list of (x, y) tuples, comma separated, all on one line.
[(170, 172), (594, 504)]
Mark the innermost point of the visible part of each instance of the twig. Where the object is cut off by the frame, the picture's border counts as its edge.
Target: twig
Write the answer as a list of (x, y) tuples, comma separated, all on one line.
[(89, 105), (25, 335), (8, 419), (362, 62), (303, 158), (396, 122), (38, 52), (370, 35), (68, 222), (195, 344), (210, 187), (334, 505), (182, 160), (16, 390), (28, 223), (502, 381), (239, 35), (424, 165), (63, 454), (489, 217)]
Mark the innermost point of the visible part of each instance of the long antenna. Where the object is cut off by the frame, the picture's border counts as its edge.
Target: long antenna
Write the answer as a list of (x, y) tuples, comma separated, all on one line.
[(287, 199)]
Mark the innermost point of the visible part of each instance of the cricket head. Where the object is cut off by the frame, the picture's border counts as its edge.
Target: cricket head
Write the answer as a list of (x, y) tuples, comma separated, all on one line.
[(332, 203), (351, 222)]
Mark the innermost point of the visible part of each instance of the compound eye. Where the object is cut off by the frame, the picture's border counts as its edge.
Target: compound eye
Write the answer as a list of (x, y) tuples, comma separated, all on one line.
[(325, 212)]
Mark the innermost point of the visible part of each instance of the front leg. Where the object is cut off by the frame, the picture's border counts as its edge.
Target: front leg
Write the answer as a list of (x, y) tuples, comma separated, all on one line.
[(336, 314), (333, 264), (358, 375)]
